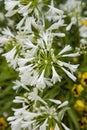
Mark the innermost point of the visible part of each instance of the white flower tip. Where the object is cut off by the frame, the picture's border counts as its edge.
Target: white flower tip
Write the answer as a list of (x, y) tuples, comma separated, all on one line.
[(55, 101), (63, 104)]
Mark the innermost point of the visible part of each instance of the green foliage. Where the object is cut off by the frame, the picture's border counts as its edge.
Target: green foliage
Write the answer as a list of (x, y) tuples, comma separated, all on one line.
[(7, 76)]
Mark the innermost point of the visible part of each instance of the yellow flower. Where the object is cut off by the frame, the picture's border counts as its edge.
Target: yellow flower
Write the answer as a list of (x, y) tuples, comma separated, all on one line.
[(3, 123), (84, 22), (84, 79), (84, 119), (77, 89), (83, 122), (79, 105), (85, 111)]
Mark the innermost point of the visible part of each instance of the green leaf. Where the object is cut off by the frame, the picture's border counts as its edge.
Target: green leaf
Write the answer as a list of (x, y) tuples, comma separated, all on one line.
[(73, 117)]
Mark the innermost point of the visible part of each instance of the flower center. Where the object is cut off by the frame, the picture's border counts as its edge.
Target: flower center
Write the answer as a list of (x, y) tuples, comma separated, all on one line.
[(85, 80)]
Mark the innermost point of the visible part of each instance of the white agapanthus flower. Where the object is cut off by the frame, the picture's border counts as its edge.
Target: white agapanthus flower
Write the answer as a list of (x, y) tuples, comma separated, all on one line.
[(6, 36), (3, 40), (22, 116), (54, 13), (23, 8), (38, 57), (36, 53), (11, 58), (40, 116), (7, 32), (73, 8), (44, 59), (55, 76), (18, 84), (10, 5)]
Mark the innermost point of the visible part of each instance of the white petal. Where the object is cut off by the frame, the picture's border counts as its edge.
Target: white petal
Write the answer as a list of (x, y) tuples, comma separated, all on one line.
[(11, 13), (71, 67), (56, 25), (59, 34), (22, 61), (7, 32), (55, 76), (69, 27), (3, 39), (55, 101), (69, 74), (57, 127), (41, 100), (41, 81), (71, 55), (63, 104), (20, 23), (10, 55), (16, 126), (44, 125), (30, 44), (58, 11), (10, 4), (66, 48), (26, 124), (19, 84), (65, 127)]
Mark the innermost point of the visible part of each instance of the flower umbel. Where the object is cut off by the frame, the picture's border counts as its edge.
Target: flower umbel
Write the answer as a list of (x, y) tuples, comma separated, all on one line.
[(40, 117)]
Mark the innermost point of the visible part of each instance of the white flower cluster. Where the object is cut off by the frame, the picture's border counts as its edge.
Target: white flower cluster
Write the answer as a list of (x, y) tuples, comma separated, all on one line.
[(35, 44), (41, 116), (73, 8), (39, 63)]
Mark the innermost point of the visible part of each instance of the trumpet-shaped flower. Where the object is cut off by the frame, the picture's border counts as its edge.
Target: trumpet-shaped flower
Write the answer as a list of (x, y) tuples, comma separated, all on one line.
[(53, 13), (44, 125), (24, 118), (42, 81), (55, 76), (10, 57)]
